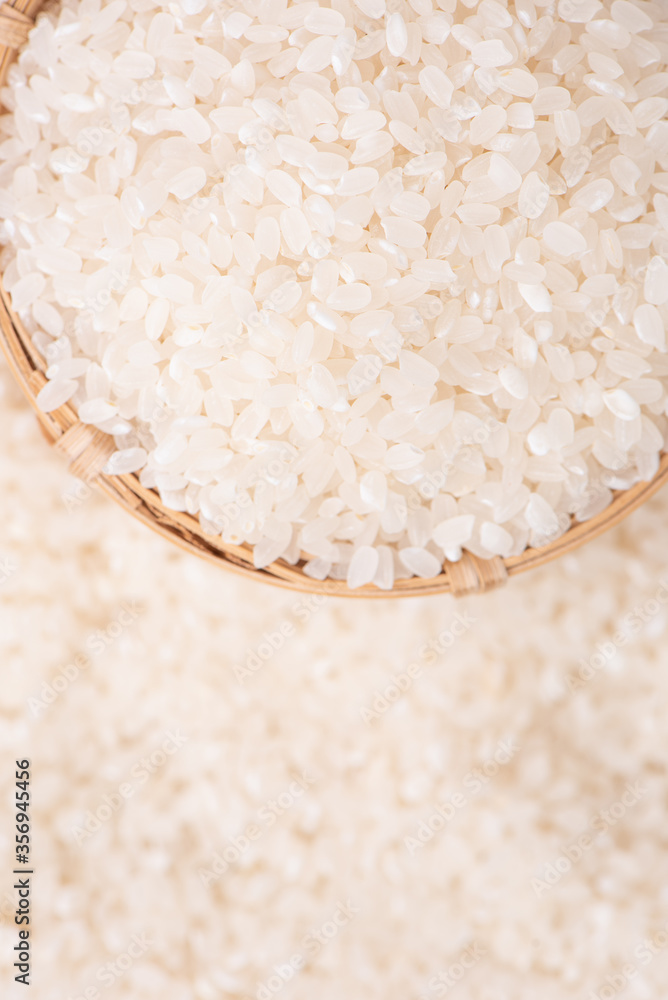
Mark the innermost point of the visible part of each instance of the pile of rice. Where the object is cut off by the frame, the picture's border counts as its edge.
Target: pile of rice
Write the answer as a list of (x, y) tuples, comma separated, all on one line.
[(366, 284)]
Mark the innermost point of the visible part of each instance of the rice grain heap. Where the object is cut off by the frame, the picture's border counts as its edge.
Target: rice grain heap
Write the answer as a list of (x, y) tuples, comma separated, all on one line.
[(364, 284)]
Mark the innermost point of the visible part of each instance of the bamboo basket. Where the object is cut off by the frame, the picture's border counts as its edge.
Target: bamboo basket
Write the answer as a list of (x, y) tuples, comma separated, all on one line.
[(89, 449)]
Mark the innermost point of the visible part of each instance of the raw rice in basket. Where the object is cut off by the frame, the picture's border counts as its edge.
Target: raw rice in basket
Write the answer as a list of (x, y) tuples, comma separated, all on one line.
[(368, 283)]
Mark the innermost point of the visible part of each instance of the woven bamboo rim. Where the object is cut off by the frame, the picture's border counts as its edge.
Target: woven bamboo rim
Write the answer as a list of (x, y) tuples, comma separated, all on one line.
[(89, 449)]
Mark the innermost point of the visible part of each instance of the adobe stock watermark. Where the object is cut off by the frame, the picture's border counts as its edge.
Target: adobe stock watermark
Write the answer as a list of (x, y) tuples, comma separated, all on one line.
[(270, 473), (270, 642), (445, 981), (565, 518), (473, 783), (645, 951), (140, 774), (95, 643), (385, 698), (267, 816), (554, 871), (109, 973), (434, 482), (94, 137), (78, 495), (8, 567), (632, 623), (310, 945), (83, 491)]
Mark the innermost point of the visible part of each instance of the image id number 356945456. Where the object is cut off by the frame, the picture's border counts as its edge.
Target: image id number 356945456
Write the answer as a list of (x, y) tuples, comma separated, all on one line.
[(22, 883)]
